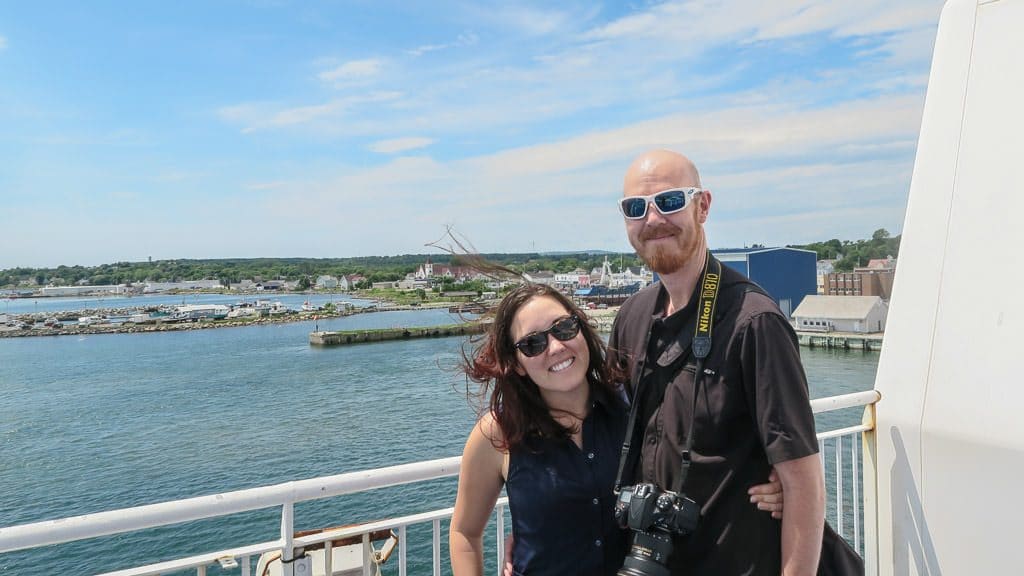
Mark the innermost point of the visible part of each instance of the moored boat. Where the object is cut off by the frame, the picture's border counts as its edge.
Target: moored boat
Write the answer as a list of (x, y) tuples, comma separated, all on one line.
[(348, 556), (194, 312)]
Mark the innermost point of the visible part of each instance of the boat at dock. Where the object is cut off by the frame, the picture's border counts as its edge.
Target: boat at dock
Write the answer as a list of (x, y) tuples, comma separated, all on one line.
[(196, 312), (348, 557), (91, 320)]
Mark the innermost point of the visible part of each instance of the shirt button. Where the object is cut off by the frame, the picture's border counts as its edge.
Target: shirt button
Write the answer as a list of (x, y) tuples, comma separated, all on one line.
[(596, 501), (597, 543), (590, 456)]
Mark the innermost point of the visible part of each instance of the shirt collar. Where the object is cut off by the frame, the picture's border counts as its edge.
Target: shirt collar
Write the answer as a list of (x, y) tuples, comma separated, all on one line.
[(678, 318)]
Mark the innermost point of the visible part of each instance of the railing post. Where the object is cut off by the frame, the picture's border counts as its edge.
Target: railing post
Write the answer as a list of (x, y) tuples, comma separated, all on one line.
[(328, 558), (437, 547), (858, 506), (368, 563), (287, 535), (870, 475), (500, 524), (839, 485), (402, 561)]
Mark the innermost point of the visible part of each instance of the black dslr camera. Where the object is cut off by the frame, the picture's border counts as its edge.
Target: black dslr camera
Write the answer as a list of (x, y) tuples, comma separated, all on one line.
[(655, 515)]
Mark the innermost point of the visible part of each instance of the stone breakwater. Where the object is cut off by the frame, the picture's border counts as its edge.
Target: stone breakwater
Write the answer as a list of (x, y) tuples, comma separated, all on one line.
[(385, 334)]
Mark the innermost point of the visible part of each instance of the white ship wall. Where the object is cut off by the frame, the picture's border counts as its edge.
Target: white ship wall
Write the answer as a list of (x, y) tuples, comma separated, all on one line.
[(950, 431)]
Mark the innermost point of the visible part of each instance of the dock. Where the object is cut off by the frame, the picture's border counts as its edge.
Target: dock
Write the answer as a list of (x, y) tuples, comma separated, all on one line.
[(344, 337), (468, 308), (844, 340)]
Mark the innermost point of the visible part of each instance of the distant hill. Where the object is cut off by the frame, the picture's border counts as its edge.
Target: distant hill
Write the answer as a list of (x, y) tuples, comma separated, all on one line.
[(232, 270), (386, 268)]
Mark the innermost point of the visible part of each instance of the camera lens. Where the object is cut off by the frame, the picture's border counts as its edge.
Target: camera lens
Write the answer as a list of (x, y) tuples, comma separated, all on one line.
[(648, 556)]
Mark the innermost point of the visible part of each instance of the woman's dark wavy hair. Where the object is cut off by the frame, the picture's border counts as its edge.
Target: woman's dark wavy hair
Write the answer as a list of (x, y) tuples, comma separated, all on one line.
[(514, 400)]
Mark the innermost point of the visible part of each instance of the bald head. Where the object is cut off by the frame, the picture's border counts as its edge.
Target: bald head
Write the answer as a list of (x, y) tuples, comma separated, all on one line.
[(663, 168), (672, 243)]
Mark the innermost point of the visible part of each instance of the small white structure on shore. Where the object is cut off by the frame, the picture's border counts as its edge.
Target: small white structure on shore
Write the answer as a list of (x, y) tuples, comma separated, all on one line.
[(860, 314), (82, 290)]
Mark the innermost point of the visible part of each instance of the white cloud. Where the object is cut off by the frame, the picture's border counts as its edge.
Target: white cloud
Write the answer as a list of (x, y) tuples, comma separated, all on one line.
[(720, 135), (3, 43), (261, 186), (400, 144), (527, 20), (306, 114), (467, 39), (353, 70), (779, 174), (255, 117), (753, 20), (646, 61)]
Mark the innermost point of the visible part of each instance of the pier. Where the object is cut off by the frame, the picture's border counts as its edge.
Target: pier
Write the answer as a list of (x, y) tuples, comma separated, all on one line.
[(844, 340), (382, 335)]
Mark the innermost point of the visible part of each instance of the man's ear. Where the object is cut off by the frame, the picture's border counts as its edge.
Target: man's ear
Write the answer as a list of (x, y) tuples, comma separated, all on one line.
[(704, 203)]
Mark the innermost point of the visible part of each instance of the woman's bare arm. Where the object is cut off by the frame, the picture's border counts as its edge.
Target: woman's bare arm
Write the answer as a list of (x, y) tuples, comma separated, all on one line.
[(480, 481)]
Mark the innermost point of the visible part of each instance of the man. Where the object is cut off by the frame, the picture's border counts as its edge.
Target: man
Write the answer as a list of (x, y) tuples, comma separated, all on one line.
[(751, 407)]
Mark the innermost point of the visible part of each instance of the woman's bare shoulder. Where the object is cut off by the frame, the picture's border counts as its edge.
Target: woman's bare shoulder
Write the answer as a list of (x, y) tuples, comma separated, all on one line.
[(488, 429)]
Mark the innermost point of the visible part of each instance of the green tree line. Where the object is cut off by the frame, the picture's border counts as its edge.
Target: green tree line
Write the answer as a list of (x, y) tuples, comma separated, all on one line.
[(850, 254), (233, 270)]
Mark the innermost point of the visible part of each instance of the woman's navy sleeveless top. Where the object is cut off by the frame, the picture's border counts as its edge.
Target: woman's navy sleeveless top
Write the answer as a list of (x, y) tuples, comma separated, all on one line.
[(561, 501)]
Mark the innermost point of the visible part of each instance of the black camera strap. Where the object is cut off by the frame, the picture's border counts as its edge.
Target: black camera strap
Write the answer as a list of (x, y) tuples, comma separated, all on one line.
[(701, 347)]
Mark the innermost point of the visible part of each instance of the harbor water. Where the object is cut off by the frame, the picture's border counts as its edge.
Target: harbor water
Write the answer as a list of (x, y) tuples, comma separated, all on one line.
[(92, 423)]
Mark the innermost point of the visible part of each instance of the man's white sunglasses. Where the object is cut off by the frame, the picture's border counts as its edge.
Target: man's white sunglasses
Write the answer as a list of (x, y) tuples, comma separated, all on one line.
[(667, 202)]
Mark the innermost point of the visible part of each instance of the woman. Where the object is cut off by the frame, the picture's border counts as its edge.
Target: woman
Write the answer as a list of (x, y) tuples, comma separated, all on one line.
[(551, 437)]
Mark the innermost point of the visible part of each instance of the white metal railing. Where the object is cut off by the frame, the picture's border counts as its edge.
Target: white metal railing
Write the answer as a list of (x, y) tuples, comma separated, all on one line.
[(860, 508), (286, 495)]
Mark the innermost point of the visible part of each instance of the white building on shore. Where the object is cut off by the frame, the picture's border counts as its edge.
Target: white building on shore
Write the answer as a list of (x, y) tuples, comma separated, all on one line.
[(82, 290), (860, 314)]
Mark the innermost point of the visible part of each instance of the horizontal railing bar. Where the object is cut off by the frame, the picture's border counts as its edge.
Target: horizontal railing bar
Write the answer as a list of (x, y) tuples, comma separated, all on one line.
[(819, 405), (374, 526), (844, 432), (197, 560), (153, 515), (309, 540)]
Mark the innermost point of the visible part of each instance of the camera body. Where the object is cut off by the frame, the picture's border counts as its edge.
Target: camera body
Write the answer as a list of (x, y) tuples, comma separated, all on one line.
[(655, 515)]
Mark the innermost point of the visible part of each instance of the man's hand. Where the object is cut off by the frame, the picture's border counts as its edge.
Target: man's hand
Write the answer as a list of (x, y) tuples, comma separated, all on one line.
[(768, 497), (510, 544)]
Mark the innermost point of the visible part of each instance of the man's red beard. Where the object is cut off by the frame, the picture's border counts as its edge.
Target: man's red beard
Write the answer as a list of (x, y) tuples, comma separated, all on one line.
[(665, 258)]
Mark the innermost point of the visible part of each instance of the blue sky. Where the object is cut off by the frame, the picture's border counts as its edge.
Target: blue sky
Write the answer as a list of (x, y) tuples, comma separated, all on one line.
[(334, 129)]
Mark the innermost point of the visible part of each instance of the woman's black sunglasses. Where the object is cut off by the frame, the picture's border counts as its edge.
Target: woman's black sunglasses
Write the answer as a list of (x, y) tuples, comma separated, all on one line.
[(534, 343)]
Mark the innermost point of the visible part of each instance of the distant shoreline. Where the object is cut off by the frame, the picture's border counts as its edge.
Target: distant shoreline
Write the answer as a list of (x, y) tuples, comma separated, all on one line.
[(132, 328)]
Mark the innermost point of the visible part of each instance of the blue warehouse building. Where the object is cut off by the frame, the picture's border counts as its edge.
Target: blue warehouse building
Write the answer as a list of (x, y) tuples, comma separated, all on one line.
[(787, 274)]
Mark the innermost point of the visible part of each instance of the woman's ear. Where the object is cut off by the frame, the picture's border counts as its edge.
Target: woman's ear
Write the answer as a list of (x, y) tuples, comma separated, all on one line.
[(519, 369)]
